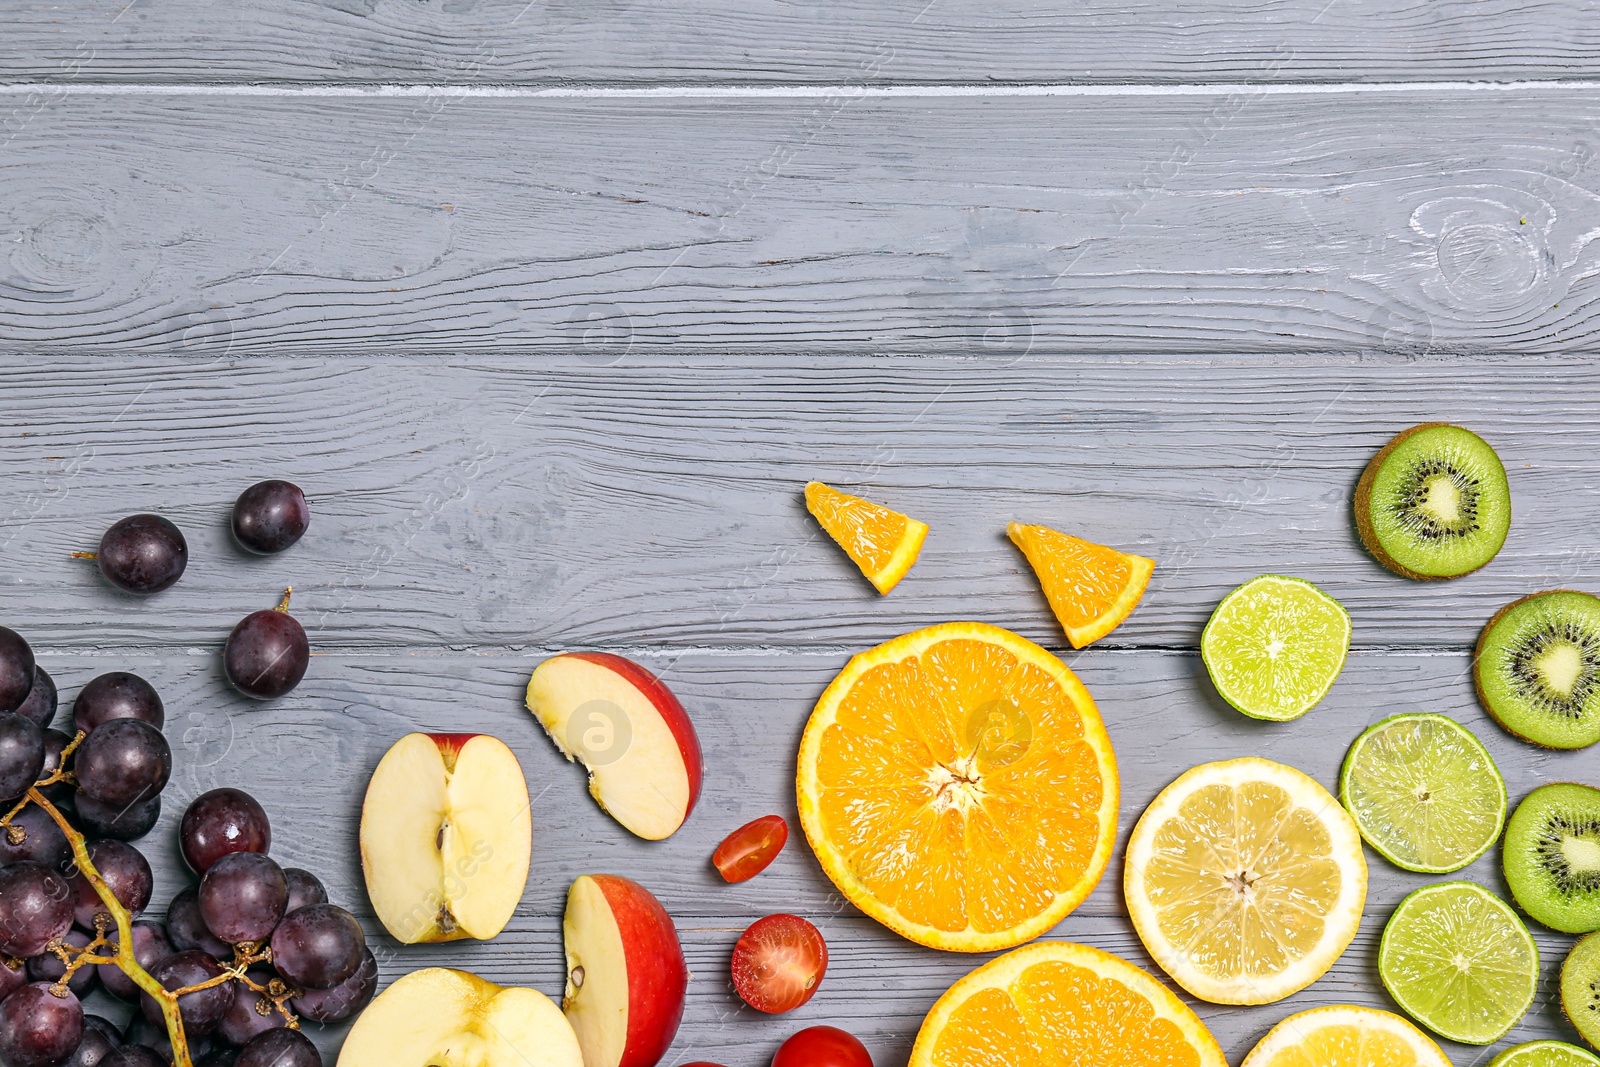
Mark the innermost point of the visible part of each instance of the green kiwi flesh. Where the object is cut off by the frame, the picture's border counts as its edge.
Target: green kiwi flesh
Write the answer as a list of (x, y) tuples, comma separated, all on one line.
[(1434, 503), (1580, 988), (1552, 856), (1537, 668)]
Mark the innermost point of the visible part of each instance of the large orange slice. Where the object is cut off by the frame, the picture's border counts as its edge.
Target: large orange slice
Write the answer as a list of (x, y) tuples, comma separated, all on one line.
[(1091, 588), (883, 543), (958, 786), (1056, 1004)]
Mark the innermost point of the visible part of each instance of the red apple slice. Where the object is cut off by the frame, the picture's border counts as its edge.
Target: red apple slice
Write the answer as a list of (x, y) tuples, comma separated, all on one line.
[(446, 837), (436, 1016), (626, 977), (627, 728)]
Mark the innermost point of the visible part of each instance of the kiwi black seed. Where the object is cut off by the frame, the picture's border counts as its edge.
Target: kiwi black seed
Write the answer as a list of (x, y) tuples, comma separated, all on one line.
[(1434, 503), (1580, 988), (1537, 668), (1552, 856)]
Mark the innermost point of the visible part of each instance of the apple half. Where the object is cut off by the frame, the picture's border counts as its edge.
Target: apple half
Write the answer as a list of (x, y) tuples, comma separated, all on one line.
[(626, 978), (625, 726), (436, 1017), (446, 837)]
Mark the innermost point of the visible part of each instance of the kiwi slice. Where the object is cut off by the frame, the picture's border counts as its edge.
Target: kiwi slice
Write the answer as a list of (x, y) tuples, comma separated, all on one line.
[(1552, 856), (1537, 668), (1580, 988), (1434, 503)]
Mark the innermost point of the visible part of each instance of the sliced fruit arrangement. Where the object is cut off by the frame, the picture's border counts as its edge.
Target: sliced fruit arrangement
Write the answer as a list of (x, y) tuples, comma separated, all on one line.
[(446, 837), (1028, 1004), (1552, 856), (751, 848), (1434, 503), (1424, 793), (1580, 988), (1545, 1054), (1457, 959), (1275, 646), (1537, 668), (778, 963), (958, 786), (1343, 1036), (626, 977), (1091, 588), (624, 725), (883, 543), (436, 1015), (1245, 881)]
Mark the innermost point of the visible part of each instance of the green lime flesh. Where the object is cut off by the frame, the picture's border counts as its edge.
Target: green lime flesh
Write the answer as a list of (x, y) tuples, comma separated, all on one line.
[(1580, 988), (1552, 856), (1424, 793), (1439, 505), (1275, 645), (1545, 1054), (1460, 962), (1538, 669)]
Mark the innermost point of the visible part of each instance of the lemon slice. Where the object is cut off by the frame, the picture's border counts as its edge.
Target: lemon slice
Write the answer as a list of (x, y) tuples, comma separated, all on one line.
[(1245, 880), (1348, 1037)]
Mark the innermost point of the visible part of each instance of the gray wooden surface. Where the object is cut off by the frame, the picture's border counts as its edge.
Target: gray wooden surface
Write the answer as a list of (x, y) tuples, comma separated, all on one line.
[(553, 308)]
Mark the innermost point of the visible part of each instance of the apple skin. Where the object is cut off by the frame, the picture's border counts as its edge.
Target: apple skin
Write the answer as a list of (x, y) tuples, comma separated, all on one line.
[(450, 746)]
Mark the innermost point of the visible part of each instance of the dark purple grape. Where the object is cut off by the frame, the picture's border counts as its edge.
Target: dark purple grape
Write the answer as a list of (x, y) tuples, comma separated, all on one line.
[(42, 840), (203, 1009), (118, 695), (49, 968), (55, 742), (243, 897), (143, 554), (139, 1056), (38, 1028), (270, 516), (343, 1000), (142, 1033), (279, 1048), (16, 670), (123, 762), (304, 888), (222, 1057), (124, 870), (35, 908), (39, 706), (187, 930), (222, 822), (150, 947), (318, 946), (21, 755), (93, 1049), (124, 824), (266, 655), (252, 1013), (12, 978)]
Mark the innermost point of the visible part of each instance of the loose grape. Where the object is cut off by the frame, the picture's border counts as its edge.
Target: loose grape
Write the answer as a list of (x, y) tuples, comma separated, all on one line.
[(35, 908), (318, 946), (21, 755), (16, 669), (39, 1028), (124, 824), (118, 695), (270, 516), (343, 1000), (221, 822), (266, 655), (123, 762), (203, 1009), (143, 554), (39, 706), (125, 872), (243, 897)]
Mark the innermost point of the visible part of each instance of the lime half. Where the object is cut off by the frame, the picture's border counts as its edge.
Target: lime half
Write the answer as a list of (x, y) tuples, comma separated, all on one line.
[(1275, 645), (1424, 793), (1460, 962), (1545, 1054)]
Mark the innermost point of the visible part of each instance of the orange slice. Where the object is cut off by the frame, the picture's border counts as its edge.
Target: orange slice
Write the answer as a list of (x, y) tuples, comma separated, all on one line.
[(1091, 588), (1056, 1004), (883, 543), (958, 786)]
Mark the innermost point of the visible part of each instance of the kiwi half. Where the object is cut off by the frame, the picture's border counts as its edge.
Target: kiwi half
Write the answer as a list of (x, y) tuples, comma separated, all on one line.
[(1537, 668), (1434, 503), (1580, 988), (1552, 856)]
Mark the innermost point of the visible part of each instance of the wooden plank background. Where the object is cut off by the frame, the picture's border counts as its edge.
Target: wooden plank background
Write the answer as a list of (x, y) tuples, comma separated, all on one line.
[(553, 307)]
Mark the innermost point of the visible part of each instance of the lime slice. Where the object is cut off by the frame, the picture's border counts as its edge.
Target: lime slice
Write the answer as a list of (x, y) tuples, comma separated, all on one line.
[(1275, 645), (1424, 793), (1545, 1054), (1460, 962)]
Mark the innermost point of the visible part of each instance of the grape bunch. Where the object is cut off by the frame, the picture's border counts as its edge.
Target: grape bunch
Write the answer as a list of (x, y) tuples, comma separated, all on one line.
[(246, 954)]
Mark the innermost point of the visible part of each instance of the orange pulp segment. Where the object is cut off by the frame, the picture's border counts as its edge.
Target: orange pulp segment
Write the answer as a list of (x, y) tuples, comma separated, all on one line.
[(1091, 588), (883, 543)]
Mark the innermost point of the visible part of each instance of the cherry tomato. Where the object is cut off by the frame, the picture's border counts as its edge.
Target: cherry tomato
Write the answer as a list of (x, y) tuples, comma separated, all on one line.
[(822, 1046), (747, 851), (779, 963)]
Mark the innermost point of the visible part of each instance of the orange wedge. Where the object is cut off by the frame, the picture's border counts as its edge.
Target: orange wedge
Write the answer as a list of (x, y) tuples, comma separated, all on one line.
[(1056, 1004), (958, 786), (883, 543), (1091, 588)]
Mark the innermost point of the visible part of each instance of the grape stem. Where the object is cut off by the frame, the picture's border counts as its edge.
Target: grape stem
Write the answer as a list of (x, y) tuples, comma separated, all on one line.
[(283, 605)]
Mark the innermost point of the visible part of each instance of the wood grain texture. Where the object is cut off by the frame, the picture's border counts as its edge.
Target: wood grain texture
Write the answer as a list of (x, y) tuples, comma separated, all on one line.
[(308, 756), (1416, 223), (624, 41)]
